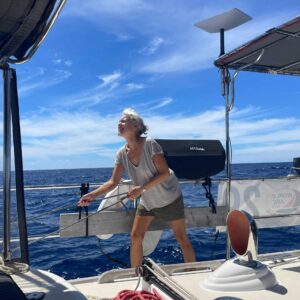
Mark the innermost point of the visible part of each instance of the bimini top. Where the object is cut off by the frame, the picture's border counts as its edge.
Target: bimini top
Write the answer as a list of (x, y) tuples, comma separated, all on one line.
[(23, 26), (280, 49)]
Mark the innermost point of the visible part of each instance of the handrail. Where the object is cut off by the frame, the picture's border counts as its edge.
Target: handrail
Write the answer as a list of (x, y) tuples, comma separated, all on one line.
[(188, 181)]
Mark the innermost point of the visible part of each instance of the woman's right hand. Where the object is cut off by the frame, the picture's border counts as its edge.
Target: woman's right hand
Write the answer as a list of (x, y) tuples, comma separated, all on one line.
[(86, 199)]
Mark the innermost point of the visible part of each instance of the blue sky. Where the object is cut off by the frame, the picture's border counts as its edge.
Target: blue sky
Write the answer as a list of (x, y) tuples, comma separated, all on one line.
[(103, 56)]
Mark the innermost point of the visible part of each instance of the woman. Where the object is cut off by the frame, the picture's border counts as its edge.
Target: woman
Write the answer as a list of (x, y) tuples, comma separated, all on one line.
[(161, 197)]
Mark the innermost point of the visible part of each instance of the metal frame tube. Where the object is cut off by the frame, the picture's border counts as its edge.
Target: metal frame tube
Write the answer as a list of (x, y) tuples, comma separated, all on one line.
[(227, 92), (222, 43), (296, 35), (7, 76), (11, 113), (21, 212)]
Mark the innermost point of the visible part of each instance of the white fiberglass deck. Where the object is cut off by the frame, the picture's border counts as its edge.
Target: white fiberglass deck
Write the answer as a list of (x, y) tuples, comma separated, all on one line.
[(53, 286), (287, 275)]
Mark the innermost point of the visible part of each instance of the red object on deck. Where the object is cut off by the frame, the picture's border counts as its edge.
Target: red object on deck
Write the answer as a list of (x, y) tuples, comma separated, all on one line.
[(239, 230), (137, 295)]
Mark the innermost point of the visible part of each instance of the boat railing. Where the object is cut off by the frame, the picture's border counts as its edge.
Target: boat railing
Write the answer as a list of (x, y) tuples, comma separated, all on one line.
[(127, 215), (188, 181), (269, 209)]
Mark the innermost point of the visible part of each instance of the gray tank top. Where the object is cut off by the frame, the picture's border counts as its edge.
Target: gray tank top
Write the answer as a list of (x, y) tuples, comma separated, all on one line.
[(163, 193)]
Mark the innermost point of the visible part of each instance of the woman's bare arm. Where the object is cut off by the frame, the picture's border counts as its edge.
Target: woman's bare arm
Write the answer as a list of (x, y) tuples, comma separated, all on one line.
[(163, 173), (105, 187)]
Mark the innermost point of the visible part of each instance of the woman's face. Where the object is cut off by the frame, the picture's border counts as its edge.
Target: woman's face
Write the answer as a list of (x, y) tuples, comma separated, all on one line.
[(126, 127)]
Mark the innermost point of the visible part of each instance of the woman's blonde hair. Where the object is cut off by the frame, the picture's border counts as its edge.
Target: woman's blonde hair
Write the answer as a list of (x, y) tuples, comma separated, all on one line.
[(135, 118)]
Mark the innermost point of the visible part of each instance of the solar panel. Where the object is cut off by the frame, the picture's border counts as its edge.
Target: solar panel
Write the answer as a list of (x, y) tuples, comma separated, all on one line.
[(281, 51)]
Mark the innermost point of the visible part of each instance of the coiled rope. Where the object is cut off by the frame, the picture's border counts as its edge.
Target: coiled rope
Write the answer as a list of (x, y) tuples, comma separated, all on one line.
[(12, 267), (137, 295)]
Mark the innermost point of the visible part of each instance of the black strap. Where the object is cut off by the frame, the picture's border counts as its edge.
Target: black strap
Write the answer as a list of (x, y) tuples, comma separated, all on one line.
[(207, 186), (84, 189), (86, 209)]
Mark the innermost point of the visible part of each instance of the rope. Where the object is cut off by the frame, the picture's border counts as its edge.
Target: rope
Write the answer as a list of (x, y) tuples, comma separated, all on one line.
[(58, 209), (207, 186), (90, 215), (52, 187), (12, 267), (214, 245), (45, 213), (137, 295), (115, 260)]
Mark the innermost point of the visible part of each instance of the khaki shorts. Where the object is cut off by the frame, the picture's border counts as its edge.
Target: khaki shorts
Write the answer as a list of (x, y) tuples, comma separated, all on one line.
[(170, 212)]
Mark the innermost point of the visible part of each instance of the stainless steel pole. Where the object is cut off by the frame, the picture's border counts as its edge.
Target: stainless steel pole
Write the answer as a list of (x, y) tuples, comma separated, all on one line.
[(226, 93)]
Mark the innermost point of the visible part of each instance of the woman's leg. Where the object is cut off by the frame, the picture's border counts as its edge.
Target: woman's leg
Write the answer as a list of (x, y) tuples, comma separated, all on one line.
[(139, 228), (183, 240)]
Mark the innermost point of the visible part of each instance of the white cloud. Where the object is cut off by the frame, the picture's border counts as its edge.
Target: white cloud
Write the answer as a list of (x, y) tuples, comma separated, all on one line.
[(107, 89), (153, 46), (109, 78), (29, 76), (57, 61), (92, 9), (275, 152), (123, 37), (135, 86), (185, 127), (162, 102), (145, 107), (174, 45), (68, 63), (35, 80), (117, 17), (113, 86), (188, 48), (195, 50), (165, 101), (69, 135)]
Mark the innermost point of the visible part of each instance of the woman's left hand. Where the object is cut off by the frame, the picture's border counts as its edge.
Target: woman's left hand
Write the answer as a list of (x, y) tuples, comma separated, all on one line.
[(135, 192)]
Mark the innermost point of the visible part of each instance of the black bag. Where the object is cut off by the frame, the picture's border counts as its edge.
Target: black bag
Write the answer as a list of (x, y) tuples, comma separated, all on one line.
[(194, 159)]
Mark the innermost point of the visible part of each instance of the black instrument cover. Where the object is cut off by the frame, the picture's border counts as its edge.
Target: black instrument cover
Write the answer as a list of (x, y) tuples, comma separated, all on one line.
[(194, 159)]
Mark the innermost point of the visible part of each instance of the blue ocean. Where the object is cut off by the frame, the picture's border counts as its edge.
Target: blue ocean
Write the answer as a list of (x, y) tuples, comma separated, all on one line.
[(87, 256)]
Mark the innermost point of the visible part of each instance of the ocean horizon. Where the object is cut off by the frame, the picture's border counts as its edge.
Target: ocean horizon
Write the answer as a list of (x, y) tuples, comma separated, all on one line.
[(63, 256), (111, 167)]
